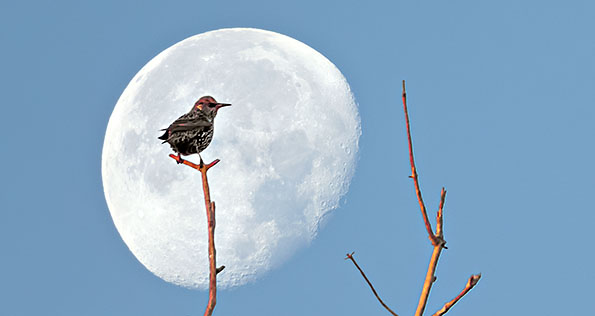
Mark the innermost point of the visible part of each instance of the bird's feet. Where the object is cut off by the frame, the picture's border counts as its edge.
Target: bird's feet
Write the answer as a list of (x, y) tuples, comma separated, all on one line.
[(179, 160), (202, 163)]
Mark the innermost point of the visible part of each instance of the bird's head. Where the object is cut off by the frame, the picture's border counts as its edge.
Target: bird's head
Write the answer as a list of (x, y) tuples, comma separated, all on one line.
[(208, 105)]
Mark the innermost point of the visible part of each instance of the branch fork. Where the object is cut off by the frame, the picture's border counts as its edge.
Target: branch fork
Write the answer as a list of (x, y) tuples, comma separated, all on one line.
[(436, 238), (210, 209)]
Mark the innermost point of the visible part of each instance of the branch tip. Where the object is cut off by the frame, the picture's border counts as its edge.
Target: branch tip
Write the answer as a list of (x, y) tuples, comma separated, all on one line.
[(413, 175), (473, 279), (350, 256), (404, 93), (213, 163)]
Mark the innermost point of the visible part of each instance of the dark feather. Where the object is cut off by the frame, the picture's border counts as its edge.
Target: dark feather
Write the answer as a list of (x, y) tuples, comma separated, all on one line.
[(183, 124), (186, 122), (165, 135)]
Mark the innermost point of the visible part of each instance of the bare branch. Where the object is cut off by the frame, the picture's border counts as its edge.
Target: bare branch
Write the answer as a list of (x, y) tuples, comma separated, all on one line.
[(193, 165), (210, 208), (413, 175), (439, 221), (430, 278), (470, 284), (350, 256), (431, 273), (437, 238)]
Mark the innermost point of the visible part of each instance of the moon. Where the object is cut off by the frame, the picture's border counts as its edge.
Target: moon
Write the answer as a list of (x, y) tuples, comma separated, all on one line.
[(288, 148)]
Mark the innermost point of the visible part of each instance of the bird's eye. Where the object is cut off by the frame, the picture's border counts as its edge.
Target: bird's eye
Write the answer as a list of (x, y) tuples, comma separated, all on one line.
[(212, 105)]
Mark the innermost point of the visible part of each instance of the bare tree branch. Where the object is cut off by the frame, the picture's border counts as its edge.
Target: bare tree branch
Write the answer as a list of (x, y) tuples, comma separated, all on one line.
[(437, 238), (439, 221), (430, 278), (210, 208), (470, 284), (350, 256), (413, 175)]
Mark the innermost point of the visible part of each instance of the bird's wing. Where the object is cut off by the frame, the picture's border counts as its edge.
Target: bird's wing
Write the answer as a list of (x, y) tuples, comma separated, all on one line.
[(186, 124)]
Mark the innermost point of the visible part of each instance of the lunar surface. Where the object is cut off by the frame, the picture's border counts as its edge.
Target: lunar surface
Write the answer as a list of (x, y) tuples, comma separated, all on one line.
[(288, 147)]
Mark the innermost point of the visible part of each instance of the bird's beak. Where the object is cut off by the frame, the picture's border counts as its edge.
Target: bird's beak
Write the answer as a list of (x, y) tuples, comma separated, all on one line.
[(220, 105)]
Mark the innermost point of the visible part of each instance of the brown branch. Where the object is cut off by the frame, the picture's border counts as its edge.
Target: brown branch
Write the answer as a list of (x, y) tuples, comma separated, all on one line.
[(350, 256), (210, 208), (439, 221), (436, 239), (430, 278), (413, 175), (470, 284)]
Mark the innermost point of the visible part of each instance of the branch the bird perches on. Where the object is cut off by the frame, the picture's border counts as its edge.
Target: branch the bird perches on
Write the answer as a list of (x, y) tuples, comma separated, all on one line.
[(437, 239), (210, 207)]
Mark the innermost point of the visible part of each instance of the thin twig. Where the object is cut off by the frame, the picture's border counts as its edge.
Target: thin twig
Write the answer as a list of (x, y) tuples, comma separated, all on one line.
[(470, 284), (210, 208), (350, 256), (413, 175), (193, 165), (439, 219)]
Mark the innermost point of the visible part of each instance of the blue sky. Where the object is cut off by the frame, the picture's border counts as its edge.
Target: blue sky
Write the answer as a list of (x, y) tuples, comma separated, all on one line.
[(502, 105)]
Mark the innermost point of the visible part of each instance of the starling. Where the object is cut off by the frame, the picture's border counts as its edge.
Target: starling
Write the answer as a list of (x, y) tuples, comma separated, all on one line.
[(193, 131)]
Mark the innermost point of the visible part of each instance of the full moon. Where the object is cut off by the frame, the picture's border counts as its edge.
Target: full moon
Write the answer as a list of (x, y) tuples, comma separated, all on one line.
[(288, 147)]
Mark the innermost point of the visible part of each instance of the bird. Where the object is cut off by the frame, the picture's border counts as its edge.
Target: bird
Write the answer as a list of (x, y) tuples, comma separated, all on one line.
[(192, 132)]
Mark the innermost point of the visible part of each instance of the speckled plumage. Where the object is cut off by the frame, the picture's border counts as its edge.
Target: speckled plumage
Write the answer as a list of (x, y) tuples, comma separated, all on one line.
[(192, 132)]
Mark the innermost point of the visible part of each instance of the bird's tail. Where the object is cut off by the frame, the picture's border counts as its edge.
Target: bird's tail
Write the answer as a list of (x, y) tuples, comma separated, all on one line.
[(165, 136)]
